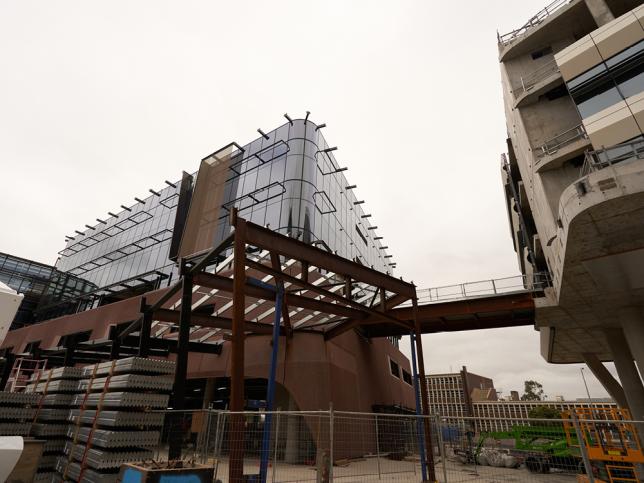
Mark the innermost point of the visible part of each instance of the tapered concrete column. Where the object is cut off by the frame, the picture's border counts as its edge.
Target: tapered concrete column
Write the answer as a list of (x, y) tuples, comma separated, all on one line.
[(291, 454), (606, 378), (600, 11), (632, 320), (628, 375)]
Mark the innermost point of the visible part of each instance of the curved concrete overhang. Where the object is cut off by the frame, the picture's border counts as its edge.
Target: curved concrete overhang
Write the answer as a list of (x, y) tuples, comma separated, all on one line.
[(532, 94), (600, 262), (545, 31), (556, 159)]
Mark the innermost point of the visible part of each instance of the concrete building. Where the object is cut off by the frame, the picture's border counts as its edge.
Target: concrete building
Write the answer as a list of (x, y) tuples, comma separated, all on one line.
[(573, 90), (451, 395), (501, 415)]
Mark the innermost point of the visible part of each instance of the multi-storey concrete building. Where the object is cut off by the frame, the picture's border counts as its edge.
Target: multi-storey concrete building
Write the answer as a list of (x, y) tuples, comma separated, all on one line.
[(501, 415), (450, 394), (573, 89)]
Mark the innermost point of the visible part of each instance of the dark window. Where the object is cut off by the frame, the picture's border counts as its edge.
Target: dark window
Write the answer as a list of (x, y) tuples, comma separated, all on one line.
[(32, 346), (395, 369), (540, 53), (76, 337), (407, 377)]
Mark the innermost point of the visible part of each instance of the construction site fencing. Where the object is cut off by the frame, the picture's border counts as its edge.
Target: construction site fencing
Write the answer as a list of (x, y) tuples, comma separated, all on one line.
[(321, 446)]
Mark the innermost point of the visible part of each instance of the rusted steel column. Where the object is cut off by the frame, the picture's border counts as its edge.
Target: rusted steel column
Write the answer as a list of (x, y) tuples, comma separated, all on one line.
[(181, 370), (431, 472), (146, 327), (236, 435)]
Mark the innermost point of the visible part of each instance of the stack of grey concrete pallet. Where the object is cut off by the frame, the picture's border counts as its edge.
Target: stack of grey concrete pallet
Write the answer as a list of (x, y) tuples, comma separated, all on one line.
[(17, 412), (112, 420), (58, 387)]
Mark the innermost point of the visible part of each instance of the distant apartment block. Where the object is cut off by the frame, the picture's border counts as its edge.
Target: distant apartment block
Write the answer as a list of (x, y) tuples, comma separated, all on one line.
[(450, 394)]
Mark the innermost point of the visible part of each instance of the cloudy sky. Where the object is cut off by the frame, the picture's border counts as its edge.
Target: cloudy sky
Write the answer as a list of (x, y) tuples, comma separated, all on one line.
[(100, 101)]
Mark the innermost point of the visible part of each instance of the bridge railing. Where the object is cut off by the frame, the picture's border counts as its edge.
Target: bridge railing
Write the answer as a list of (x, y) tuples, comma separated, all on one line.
[(484, 288)]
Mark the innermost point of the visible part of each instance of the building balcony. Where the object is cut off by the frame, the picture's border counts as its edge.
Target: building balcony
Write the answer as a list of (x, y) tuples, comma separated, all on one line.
[(559, 149), (537, 83), (538, 28), (534, 21), (602, 158)]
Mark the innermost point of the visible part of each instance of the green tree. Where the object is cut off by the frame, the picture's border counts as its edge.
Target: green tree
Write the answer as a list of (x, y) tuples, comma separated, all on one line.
[(532, 391), (544, 412)]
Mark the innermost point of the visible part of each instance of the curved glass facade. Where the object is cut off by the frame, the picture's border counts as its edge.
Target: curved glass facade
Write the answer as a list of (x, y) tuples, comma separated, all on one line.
[(288, 180)]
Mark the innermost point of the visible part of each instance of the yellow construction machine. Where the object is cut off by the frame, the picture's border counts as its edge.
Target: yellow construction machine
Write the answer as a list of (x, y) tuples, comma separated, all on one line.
[(611, 442)]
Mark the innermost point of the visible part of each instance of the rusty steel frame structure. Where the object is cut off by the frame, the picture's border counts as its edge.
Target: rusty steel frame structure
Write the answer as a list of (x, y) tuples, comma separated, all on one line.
[(335, 306)]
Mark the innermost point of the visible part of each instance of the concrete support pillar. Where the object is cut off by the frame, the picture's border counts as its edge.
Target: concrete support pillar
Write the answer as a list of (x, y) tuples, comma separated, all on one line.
[(628, 375), (607, 380), (292, 426), (600, 11), (209, 392), (632, 320)]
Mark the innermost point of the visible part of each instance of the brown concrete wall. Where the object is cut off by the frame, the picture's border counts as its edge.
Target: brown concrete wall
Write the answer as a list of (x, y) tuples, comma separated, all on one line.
[(351, 372)]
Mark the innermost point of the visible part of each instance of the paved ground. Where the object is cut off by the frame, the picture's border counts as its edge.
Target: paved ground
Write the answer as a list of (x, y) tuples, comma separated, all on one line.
[(401, 471)]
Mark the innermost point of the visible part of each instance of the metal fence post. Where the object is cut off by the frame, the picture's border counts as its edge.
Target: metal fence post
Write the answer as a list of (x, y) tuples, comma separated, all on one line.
[(206, 438), (277, 439), (441, 445), (330, 442), (582, 448), (378, 447)]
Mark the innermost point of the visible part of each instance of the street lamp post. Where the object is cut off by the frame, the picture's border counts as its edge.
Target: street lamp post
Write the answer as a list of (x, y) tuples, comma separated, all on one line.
[(590, 401)]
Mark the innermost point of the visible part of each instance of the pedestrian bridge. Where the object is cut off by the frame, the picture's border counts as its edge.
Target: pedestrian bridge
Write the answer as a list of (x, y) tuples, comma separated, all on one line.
[(485, 304)]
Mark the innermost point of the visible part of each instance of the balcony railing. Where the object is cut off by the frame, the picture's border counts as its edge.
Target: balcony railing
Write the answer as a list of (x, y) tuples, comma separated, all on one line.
[(543, 72), (569, 136), (521, 283), (602, 158), (533, 22)]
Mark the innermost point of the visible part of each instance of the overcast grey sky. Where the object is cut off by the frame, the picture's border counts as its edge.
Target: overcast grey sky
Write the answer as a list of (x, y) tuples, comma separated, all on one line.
[(100, 101)]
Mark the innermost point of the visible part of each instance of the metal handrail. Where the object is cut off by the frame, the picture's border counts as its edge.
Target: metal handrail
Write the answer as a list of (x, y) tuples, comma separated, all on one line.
[(505, 39), (520, 283), (553, 145), (543, 72), (601, 158)]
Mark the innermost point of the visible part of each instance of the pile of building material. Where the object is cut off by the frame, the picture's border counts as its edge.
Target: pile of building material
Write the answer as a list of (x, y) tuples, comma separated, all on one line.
[(57, 388), (111, 420), (17, 412)]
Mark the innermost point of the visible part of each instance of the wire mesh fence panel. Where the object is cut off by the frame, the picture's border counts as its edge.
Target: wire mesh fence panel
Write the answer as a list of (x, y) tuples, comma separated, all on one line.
[(324, 446), (183, 432)]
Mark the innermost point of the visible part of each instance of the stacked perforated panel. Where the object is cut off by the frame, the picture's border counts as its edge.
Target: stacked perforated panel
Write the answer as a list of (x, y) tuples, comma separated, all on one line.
[(17, 412), (112, 419), (58, 387)]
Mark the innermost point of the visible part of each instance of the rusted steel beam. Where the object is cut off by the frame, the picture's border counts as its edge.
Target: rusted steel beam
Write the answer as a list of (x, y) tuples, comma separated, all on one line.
[(493, 303), (225, 284), (236, 434), (429, 449), (395, 300), (376, 320), (292, 248), (315, 289), (440, 325), (212, 321)]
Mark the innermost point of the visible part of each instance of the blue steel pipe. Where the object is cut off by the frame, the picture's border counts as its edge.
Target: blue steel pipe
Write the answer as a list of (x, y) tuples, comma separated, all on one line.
[(270, 396), (419, 423)]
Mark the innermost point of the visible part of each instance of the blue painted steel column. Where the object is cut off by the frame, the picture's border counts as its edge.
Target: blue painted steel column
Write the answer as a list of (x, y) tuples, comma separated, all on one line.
[(419, 424), (270, 396)]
